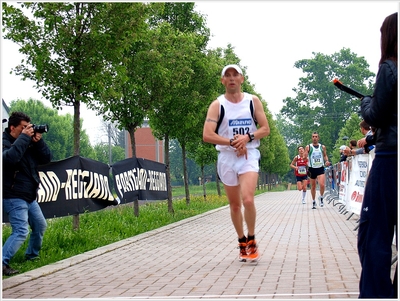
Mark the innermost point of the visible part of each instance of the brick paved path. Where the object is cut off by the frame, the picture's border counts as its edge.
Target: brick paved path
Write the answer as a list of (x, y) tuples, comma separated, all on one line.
[(305, 254)]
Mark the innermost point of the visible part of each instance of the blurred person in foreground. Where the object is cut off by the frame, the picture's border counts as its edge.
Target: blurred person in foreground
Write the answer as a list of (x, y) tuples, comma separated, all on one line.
[(235, 123), (378, 219), (23, 150)]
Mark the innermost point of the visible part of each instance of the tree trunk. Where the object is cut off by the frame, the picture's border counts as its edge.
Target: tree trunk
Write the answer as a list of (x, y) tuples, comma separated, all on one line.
[(77, 128), (136, 208), (169, 187), (77, 133), (265, 180), (269, 181), (204, 182), (185, 174), (131, 131), (217, 180)]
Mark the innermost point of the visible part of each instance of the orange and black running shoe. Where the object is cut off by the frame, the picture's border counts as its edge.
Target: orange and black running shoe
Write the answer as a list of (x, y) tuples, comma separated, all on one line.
[(252, 250), (242, 251)]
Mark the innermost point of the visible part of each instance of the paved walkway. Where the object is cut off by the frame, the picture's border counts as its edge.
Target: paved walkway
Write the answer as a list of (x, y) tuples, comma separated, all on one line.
[(305, 254)]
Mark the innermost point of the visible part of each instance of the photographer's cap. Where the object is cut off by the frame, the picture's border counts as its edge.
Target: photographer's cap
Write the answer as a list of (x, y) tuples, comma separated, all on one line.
[(343, 147), (236, 67)]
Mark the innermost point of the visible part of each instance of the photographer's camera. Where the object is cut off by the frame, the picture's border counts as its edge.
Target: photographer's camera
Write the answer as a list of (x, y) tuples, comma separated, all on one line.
[(40, 128)]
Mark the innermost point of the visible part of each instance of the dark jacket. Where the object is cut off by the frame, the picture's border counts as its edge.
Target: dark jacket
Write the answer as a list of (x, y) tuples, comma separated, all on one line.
[(21, 158), (380, 110)]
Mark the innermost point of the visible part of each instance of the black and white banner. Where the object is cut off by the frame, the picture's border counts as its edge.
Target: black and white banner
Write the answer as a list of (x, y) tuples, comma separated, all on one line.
[(348, 180), (140, 179), (73, 186), (358, 171), (77, 185)]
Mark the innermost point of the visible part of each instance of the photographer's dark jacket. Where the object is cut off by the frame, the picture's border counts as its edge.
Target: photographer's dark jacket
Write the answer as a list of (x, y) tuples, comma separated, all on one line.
[(21, 158), (380, 110)]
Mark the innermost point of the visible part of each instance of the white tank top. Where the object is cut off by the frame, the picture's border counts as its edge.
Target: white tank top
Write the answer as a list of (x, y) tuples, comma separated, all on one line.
[(315, 159), (237, 120)]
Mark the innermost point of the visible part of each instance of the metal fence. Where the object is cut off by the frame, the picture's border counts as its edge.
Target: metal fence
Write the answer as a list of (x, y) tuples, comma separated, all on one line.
[(340, 191)]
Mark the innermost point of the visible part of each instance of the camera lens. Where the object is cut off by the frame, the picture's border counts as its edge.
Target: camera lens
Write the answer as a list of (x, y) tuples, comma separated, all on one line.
[(42, 128)]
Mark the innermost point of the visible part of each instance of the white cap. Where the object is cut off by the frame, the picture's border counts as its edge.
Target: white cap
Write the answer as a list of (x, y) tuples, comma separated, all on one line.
[(343, 147), (236, 67)]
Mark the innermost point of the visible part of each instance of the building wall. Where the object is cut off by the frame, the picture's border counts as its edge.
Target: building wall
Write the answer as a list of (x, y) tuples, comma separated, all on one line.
[(147, 146), (4, 114)]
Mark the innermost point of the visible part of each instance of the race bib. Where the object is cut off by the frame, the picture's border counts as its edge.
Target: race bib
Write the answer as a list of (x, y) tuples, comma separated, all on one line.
[(239, 126), (302, 170), (317, 160)]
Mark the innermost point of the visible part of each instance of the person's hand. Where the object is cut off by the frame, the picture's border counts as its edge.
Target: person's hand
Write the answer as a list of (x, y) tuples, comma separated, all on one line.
[(241, 151), (327, 163), (346, 151), (361, 142), (36, 137), (28, 130), (239, 143)]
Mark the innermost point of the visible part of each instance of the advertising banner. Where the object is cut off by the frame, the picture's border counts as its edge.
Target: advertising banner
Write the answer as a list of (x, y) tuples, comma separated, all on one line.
[(358, 170), (77, 185), (343, 182), (140, 179)]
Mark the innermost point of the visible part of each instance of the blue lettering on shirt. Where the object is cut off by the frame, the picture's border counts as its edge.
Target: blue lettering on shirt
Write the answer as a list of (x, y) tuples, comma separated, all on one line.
[(240, 122)]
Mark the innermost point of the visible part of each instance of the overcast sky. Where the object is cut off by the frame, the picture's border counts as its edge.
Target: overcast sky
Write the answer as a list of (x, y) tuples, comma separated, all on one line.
[(268, 37)]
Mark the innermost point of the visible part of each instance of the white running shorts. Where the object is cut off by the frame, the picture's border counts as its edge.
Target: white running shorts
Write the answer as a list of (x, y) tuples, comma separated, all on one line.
[(230, 166)]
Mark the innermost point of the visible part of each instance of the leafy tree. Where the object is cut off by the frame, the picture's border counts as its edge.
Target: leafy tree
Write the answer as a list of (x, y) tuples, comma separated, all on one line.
[(194, 96), (208, 86), (69, 47), (292, 139), (203, 154), (102, 151), (183, 18), (175, 162), (274, 152), (59, 138), (319, 105), (350, 130), (126, 98), (187, 26), (177, 95), (174, 101)]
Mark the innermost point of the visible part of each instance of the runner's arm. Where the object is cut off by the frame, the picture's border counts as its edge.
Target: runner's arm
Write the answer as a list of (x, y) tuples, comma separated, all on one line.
[(306, 151), (294, 162), (327, 163), (263, 129), (210, 125)]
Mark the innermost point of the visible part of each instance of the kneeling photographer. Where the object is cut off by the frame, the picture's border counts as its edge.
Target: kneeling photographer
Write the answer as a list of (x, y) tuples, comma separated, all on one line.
[(23, 150)]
